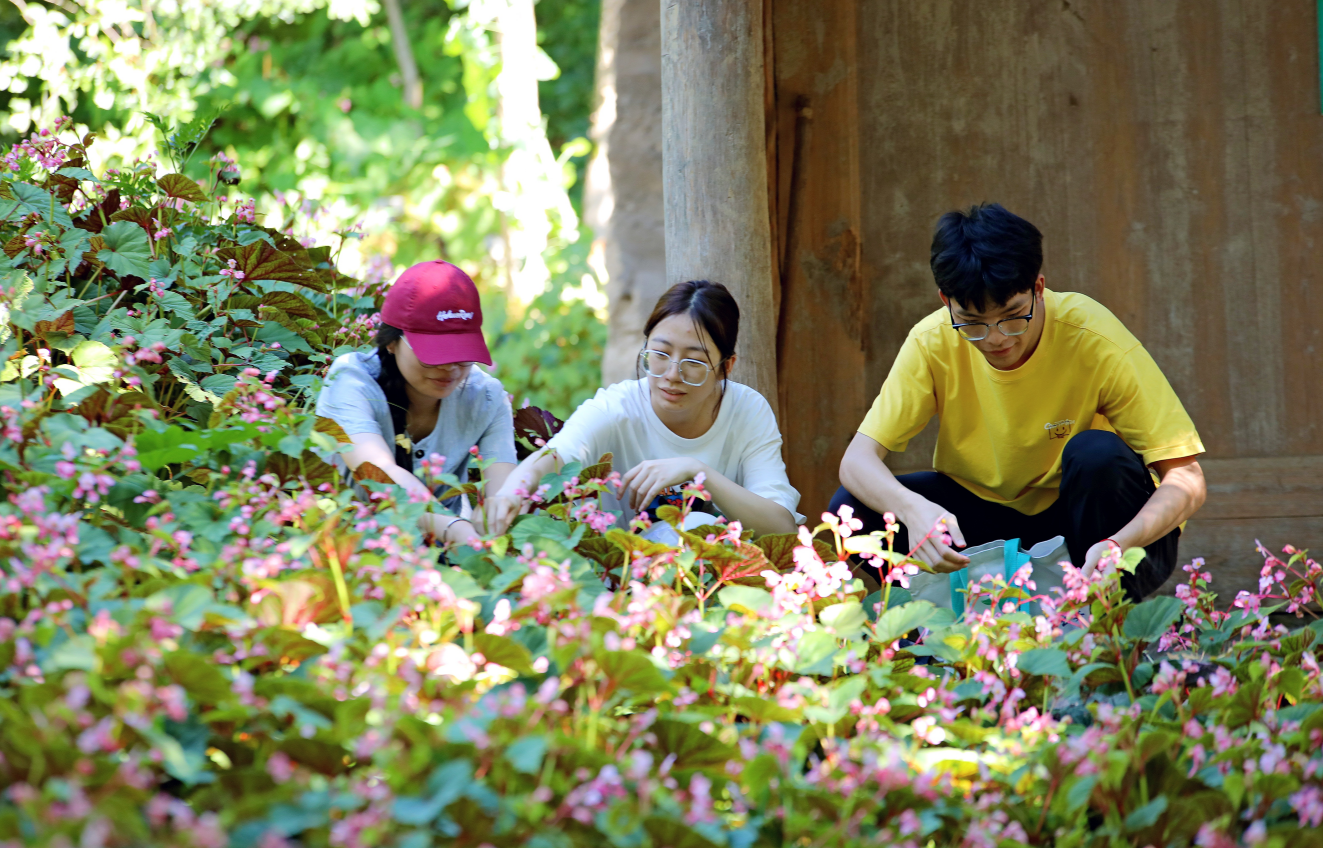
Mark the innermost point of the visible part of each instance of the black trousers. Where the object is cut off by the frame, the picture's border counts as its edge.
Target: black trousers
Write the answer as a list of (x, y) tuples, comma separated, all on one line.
[(1104, 484)]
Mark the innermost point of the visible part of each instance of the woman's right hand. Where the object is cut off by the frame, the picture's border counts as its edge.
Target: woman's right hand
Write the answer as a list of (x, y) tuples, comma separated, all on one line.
[(501, 510)]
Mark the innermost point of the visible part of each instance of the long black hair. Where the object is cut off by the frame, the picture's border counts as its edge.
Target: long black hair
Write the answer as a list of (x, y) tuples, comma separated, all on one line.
[(710, 306), (392, 382)]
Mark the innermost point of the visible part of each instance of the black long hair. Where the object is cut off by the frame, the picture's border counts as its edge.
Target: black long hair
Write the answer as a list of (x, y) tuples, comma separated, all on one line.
[(710, 306), (392, 382)]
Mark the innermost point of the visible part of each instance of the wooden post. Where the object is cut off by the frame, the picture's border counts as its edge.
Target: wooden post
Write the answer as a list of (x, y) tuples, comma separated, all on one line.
[(714, 166)]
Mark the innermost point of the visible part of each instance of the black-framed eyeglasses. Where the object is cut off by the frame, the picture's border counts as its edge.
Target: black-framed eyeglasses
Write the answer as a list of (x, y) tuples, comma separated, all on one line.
[(693, 372), (977, 331)]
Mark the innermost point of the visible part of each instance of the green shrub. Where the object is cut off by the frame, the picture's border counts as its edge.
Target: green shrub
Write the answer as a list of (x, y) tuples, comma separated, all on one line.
[(205, 640)]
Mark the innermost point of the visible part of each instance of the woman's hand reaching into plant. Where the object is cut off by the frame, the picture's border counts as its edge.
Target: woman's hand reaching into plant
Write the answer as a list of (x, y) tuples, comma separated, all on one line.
[(512, 498), (502, 509), (650, 478)]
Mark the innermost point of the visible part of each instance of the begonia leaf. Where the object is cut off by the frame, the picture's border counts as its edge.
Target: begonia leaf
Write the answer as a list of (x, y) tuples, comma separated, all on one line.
[(126, 250)]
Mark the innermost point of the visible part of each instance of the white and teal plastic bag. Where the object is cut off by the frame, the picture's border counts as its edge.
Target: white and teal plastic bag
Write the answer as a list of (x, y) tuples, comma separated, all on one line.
[(1000, 558)]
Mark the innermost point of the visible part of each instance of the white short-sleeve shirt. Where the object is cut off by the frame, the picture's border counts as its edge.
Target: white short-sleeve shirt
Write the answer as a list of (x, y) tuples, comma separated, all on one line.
[(744, 443)]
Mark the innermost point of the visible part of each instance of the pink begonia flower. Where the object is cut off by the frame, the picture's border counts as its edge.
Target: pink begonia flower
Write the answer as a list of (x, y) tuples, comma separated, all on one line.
[(162, 629), (280, 767), (450, 660)]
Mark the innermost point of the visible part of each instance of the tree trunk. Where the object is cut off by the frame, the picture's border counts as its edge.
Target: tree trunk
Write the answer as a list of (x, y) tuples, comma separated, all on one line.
[(622, 199), (399, 36), (714, 166)]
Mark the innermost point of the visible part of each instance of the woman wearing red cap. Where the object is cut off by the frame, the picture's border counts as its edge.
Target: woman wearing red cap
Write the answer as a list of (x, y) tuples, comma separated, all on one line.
[(681, 418), (418, 393)]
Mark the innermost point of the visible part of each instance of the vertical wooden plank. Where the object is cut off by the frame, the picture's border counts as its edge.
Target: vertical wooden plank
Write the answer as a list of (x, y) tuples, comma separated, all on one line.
[(820, 340)]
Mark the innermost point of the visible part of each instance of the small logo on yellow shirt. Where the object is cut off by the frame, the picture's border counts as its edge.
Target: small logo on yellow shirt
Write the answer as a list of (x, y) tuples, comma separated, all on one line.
[(1059, 429)]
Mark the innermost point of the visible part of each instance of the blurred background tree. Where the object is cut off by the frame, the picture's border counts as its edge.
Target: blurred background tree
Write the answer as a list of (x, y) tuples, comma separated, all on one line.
[(460, 133)]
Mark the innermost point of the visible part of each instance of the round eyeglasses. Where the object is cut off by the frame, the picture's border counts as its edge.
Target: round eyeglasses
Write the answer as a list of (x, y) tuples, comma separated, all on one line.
[(693, 372), (977, 331)]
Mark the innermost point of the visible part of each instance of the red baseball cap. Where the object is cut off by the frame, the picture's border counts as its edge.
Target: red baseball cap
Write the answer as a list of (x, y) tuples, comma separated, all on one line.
[(437, 307)]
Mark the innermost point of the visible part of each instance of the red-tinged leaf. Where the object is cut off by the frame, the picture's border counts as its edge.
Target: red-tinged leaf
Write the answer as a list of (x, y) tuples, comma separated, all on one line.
[(62, 324), (291, 304), (297, 602), (599, 470), (532, 423), (97, 245), (15, 246), (368, 471), (675, 834), (261, 261), (779, 548), (287, 243), (631, 543), (138, 215), (309, 467), (315, 754), (182, 188), (603, 551), (331, 427)]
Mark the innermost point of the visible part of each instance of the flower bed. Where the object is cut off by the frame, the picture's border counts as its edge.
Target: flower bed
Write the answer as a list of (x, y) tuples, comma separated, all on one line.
[(205, 640)]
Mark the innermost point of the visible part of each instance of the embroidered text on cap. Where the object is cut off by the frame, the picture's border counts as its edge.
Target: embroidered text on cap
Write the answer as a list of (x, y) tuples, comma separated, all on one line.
[(447, 315)]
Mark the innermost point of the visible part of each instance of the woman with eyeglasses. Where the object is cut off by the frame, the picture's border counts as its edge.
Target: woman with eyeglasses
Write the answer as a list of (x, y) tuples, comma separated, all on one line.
[(681, 418), (418, 393)]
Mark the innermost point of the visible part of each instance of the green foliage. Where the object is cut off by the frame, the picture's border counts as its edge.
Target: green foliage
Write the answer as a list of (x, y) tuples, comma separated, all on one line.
[(304, 95)]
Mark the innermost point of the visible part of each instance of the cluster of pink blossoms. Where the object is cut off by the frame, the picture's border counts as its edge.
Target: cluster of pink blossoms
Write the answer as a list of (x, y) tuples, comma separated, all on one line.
[(44, 147)]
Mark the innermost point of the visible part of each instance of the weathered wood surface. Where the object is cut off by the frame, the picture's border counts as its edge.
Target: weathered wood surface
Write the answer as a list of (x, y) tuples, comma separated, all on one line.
[(820, 330), (714, 166), (1172, 153)]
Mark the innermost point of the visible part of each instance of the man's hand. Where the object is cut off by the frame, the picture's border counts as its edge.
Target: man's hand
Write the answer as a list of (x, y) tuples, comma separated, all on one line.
[(1097, 552), (649, 479), (921, 518)]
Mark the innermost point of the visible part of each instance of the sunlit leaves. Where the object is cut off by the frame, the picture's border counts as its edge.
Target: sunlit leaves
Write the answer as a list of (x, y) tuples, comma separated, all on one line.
[(181, 187), (126, 250)]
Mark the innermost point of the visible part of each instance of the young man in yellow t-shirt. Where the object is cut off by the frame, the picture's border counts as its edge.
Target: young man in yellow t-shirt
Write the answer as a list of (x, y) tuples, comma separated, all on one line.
[(1051, 415)]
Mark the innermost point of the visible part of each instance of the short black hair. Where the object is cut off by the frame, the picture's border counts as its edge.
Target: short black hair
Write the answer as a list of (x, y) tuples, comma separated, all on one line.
[(987, 253)]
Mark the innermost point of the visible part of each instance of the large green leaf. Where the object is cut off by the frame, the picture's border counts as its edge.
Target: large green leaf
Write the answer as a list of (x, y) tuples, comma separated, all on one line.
[(693, 749), (746, 599), (526, 754), (503, 651), (93, 364), (127, 252), (173, 444), (814, 653), (632, 671), (897, 621), (202, 680), (846, 619), (42, 202), (1147, 815), (272, 331), (1151, 619), (1044, 661)]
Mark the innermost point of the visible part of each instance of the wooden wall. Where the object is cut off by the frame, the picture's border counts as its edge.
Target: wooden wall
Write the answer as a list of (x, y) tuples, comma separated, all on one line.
[(1171, 151)]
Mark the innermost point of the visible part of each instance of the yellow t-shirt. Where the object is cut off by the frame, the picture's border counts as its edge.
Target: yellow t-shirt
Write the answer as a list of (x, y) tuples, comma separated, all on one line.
[(1002, 432)]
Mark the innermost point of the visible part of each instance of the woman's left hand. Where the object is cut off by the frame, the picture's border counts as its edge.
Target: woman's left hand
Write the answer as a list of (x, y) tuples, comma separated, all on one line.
[(649, 479)]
